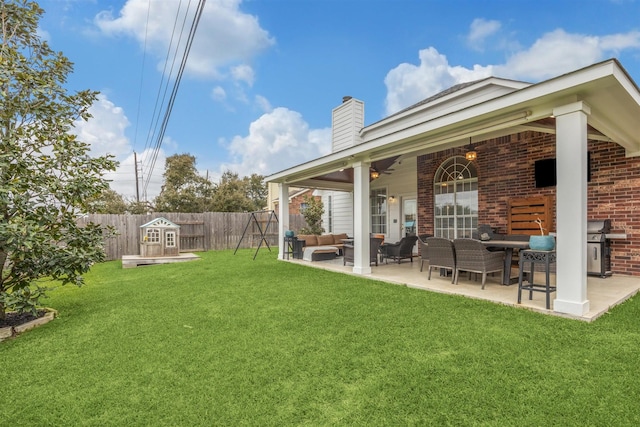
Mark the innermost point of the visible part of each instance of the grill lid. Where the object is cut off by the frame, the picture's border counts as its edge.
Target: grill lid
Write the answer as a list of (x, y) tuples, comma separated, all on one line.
[(599, 226)]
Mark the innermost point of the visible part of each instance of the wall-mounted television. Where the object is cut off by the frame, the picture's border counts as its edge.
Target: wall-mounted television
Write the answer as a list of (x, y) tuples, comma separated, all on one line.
[(545, 171)]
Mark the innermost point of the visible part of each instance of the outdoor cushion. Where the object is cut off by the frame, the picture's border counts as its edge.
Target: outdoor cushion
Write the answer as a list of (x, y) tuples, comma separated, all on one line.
[(337, 238), (310, 239), (325, 239)]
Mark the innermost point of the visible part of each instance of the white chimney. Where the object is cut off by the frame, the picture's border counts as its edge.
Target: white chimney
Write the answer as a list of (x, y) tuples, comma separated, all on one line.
[(346, 122)]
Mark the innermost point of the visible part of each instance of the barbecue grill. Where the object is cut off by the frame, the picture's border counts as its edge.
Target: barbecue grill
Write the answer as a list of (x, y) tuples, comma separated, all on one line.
[(598, 248)]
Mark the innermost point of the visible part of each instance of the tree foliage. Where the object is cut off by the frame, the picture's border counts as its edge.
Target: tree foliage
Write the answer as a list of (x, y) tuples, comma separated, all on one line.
[(235, 194), (108, 202), (257, 191), (47, 177), (184, 190), (312, 214), (139, 208)]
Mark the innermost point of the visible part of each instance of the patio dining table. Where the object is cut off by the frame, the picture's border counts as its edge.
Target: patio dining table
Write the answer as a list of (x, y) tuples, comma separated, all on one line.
[(508, 246)]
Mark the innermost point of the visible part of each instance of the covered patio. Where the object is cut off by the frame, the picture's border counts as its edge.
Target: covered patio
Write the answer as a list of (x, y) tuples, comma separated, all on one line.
[(603, 293), (595, 108)]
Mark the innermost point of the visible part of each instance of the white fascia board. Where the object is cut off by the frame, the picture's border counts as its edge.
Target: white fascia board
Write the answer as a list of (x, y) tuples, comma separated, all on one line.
[(478, 93)]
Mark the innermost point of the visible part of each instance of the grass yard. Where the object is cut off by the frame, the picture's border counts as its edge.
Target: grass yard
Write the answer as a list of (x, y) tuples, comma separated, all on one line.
[(231, 341)]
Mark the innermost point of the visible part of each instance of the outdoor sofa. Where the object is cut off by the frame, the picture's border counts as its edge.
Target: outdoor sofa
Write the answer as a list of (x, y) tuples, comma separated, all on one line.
[(323, 246)]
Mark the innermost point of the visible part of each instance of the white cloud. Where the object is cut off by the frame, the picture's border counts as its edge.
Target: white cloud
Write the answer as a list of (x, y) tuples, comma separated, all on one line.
[(243, 73), (553, 54), (618, 42), (123, 180), (277, 140), (263, 103), (105, 130), (480, 30), (225, 37), (105, 133), (408, 83), (218, 93)]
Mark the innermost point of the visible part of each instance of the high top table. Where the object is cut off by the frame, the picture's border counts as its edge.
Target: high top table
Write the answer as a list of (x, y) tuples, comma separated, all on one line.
[(508, 246)]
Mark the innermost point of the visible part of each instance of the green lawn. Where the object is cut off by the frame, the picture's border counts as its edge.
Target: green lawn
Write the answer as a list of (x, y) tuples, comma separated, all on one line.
[(229, 340)]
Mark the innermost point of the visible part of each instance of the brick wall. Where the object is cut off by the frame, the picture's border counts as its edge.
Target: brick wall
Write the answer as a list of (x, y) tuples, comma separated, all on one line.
[(506, 169), (297, 201)]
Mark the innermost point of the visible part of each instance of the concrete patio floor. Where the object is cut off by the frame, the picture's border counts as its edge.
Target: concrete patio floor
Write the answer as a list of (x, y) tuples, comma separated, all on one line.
[(602, 293)]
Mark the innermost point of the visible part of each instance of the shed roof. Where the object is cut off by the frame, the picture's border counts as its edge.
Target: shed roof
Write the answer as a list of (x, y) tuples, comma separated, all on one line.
[(160, 223)]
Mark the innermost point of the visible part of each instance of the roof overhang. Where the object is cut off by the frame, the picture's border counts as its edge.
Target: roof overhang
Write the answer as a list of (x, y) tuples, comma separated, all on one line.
[(606, 87)]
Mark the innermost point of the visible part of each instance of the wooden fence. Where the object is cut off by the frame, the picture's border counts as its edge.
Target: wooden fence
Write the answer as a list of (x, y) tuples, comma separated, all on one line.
[(198, 231)]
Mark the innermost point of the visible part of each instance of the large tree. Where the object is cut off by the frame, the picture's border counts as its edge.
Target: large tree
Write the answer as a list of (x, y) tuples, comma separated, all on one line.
[(184, 190), (108, 202), (257, 191), (47, 176), (235, 194)]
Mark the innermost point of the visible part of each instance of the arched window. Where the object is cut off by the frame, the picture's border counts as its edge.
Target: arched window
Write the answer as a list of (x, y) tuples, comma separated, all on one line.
[(455, 190)]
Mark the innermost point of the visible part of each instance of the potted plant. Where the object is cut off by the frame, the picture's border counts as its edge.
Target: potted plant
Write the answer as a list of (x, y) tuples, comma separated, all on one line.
[(542, 242)]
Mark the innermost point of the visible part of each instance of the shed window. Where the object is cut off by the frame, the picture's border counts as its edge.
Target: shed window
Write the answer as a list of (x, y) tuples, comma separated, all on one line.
[(171, 239), (153, 235)]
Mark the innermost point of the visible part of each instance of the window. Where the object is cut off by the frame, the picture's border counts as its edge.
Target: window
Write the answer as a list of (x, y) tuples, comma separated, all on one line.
[(170, 239), (378, 204), (153, 235), (456, 199)]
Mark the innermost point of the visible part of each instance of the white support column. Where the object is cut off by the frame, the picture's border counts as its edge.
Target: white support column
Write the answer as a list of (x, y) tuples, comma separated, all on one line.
[(361, 218), (571, 208), (283, 217)]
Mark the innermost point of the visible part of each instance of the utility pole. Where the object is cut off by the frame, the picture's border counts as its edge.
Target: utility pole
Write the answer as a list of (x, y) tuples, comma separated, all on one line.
[(135, 164)]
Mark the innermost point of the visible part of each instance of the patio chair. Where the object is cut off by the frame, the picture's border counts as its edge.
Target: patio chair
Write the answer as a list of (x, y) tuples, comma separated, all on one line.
[(486, 232), (399, 250), (474, 257), (424, 255), (379, 236), (374, 248), (442, 255)]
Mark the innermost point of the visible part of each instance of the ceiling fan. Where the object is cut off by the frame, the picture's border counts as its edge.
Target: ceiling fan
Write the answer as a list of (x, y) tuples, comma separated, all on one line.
[(382, 167)]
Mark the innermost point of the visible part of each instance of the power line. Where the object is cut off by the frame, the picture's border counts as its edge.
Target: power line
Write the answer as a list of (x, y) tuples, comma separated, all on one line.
[(155, 118), (144, 56), (167, 115)]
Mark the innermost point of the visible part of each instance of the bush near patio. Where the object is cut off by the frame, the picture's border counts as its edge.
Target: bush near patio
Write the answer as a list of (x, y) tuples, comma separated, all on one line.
[(312, 214), (229, 340)]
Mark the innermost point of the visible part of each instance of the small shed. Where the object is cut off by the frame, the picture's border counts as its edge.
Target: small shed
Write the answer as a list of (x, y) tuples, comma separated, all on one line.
[(159, 237)]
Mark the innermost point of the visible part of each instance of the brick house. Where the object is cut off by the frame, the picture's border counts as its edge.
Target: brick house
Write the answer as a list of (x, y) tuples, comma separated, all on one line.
[(296, 199), (409, 173)]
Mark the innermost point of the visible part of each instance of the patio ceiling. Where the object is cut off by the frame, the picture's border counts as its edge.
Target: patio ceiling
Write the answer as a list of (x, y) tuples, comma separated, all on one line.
[(605, 87)]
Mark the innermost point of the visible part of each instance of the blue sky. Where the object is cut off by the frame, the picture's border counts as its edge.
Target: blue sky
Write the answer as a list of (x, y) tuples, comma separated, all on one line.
[(263, 75)]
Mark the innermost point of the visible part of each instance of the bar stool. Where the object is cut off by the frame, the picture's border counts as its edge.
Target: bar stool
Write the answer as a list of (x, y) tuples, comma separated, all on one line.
[(533, 257)]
